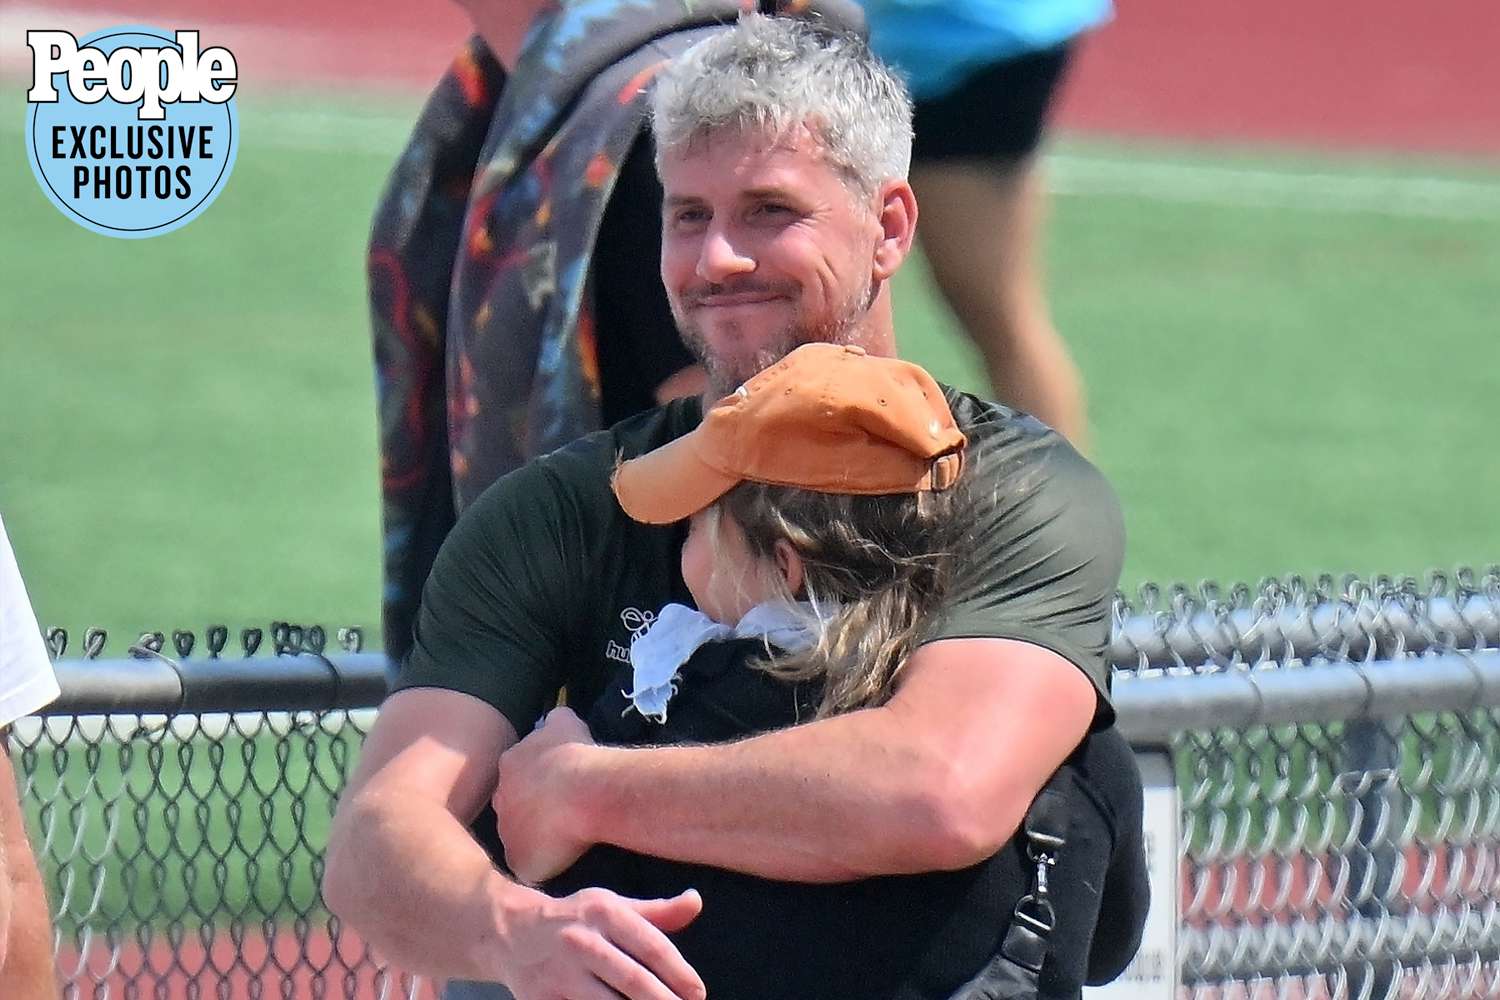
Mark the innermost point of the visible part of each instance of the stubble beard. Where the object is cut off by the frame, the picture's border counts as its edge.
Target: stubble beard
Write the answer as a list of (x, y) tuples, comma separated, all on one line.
[(725, 374)]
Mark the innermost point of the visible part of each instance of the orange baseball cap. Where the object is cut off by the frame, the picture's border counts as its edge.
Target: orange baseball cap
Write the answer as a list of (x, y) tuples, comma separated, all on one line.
[(827, 418)]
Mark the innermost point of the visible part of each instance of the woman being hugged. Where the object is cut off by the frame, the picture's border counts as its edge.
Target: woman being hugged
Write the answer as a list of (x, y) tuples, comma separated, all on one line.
[(824, 501)]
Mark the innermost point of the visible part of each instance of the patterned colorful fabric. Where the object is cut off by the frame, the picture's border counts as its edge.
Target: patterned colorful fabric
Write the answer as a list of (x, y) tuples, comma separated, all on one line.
[(479, 261)]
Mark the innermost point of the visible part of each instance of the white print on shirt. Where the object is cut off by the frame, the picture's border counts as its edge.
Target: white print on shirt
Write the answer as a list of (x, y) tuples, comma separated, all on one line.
[(636, 622)]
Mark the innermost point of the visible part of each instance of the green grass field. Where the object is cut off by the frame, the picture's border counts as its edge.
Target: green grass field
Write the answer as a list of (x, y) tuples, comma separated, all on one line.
[(187, 431)]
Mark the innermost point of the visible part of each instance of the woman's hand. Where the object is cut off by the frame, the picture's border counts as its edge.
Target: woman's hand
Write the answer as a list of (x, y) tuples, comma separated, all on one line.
[(541, 831)]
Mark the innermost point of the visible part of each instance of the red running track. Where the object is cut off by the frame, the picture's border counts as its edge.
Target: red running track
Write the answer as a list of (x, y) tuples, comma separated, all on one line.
[(1378, 74)]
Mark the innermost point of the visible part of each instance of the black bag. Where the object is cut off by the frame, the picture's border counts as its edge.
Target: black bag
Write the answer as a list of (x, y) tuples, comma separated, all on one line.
[(1015, 972)]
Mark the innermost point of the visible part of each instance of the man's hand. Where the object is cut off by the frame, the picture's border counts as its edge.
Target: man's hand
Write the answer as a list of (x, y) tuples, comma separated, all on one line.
[(541, 837), (595, 945)]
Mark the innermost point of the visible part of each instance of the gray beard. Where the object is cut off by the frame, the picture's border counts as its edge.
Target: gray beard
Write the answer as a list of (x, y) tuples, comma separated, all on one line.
[(727, 374)]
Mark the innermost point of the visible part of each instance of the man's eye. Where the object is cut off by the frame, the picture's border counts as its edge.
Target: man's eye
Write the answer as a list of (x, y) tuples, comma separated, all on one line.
[(772, 208), (689, 216)]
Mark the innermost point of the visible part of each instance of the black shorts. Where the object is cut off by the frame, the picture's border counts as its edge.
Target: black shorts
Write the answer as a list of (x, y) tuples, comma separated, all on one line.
[(998, 113)]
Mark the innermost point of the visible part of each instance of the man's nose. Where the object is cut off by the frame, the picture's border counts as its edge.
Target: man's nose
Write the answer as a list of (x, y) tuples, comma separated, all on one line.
[(720, 258)]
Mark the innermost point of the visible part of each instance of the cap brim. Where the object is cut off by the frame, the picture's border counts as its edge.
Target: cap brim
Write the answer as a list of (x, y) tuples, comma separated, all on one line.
[(669, 483)]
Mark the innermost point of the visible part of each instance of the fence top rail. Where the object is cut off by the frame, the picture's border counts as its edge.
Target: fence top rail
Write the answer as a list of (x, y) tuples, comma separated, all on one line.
[(161, 685), (1289, 651), (1151, 706)]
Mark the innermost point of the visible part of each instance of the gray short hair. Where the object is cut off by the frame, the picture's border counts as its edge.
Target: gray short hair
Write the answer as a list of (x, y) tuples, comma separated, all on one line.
[(771, 74)]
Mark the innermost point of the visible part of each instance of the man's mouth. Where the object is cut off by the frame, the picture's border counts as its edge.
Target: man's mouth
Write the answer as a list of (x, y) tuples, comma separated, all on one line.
[(737, 297)]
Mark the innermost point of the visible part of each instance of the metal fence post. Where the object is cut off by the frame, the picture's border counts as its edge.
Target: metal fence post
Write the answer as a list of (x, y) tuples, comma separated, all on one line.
[(1372, 762)]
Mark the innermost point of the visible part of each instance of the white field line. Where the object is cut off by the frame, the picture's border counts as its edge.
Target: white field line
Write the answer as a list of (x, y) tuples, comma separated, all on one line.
[(1070, 174), (353, 132), (326, 131), (1324, 191)]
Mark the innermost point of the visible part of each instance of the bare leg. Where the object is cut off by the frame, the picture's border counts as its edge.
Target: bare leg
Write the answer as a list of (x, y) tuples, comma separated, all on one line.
[(980, 229)]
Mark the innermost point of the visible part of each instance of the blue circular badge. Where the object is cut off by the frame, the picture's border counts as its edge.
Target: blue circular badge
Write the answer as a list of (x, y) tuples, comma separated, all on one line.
[(116, 154)]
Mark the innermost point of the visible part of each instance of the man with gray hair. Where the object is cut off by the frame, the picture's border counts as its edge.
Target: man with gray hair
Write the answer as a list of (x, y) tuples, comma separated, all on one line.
[(782, 150)]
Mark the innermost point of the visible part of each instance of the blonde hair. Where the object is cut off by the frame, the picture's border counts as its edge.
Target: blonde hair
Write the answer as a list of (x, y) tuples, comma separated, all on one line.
[(875, 567)]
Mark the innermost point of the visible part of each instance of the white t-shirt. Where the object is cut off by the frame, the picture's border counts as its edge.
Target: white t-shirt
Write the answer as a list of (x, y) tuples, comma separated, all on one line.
[(27, 682)]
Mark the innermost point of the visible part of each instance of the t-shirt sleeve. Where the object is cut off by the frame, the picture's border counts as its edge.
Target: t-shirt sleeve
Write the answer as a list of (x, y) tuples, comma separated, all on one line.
[(493, 609), (1043, 562), (27, 681)]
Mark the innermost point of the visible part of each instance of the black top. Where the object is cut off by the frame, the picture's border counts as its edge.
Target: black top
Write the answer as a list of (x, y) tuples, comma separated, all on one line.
[(720, 696), (912, 937)]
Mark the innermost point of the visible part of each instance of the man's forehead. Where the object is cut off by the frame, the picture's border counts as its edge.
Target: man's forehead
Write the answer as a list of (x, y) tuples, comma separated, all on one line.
[(741, 153), (756, 139)]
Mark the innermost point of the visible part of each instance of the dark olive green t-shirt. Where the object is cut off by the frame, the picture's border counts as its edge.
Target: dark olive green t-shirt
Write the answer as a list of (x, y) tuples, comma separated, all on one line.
[(544, 581)]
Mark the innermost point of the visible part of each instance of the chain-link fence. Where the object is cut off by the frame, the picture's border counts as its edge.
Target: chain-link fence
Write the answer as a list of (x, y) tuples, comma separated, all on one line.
[(182, 805), (1336, 746), (1337, 752)]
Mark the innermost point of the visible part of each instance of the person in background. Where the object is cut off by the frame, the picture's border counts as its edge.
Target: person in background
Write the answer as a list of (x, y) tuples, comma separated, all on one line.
[(525, 198), (827, 505), (983, 75), (27, 684)]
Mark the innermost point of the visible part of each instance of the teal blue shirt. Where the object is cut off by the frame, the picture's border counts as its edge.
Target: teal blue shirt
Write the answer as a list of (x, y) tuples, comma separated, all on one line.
[(937, 43)]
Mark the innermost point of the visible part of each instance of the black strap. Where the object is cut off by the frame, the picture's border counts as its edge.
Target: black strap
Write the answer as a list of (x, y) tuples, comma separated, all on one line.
[(1014, 973), (1046, 828)]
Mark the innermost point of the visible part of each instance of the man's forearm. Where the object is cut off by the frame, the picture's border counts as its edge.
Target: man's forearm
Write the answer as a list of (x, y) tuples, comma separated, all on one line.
[(28, 970), (409, 878), (26, 966), (403, 871), (826, 802), (939, 778)]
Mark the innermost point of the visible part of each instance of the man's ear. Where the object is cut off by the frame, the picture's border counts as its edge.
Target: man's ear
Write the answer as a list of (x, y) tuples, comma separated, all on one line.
[(897, 215), (789, 565)]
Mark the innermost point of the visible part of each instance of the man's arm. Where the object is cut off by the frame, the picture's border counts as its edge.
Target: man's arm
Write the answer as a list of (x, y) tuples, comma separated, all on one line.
[(938, 778), (26, 967), (404, 872)]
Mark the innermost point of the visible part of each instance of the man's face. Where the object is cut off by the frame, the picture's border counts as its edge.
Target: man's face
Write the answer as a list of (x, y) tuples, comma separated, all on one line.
[(764, 249)]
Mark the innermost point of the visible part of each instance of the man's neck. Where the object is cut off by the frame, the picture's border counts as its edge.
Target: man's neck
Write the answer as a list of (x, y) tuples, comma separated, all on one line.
[(880, 342), (878, 336)]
